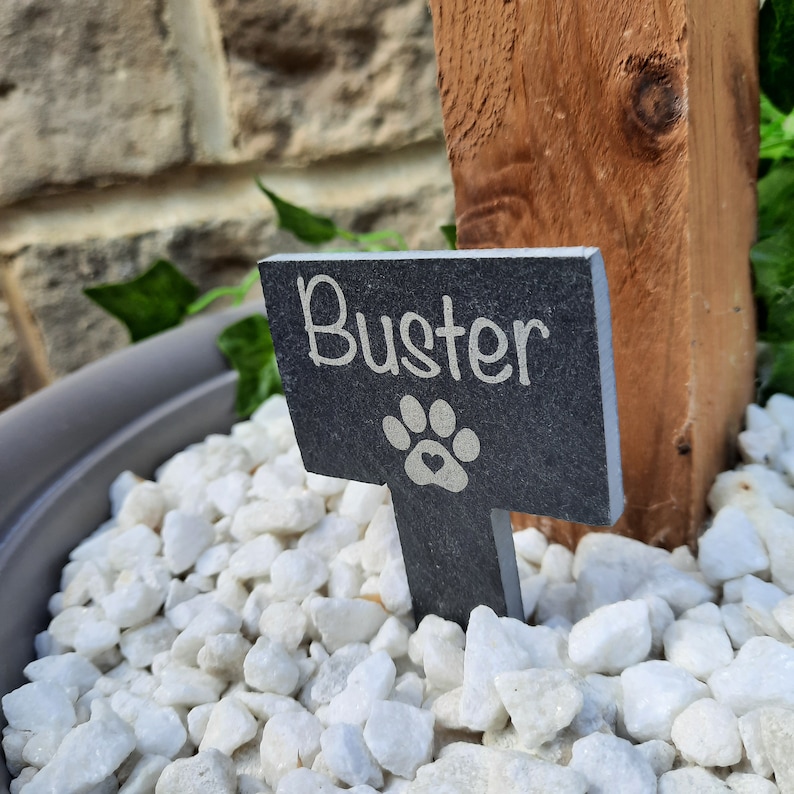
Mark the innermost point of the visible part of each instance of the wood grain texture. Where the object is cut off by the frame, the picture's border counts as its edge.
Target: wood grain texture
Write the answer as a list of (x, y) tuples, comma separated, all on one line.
[(632, 127)]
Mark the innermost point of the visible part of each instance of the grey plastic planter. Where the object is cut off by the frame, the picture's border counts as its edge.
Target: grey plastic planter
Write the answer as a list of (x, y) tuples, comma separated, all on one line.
[(61, 448)]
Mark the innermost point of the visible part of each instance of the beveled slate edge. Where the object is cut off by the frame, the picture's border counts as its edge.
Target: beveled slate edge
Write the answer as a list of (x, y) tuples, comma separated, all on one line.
[(609, 394), (59, 424), (575, 252)]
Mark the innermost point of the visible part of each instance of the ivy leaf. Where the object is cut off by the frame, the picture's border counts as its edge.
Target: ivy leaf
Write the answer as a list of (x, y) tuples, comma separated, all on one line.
[(775, 200), (776, 370), (310, 228), (773, 265), (152, 302), (248, 346), (776, 45), (450, 232)]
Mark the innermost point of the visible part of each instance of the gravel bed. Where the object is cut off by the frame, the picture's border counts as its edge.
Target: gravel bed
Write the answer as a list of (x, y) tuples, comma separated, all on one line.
[(240, 626)]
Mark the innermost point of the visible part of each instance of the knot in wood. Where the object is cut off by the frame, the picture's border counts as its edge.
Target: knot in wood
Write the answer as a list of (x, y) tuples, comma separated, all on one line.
[(654, 103)]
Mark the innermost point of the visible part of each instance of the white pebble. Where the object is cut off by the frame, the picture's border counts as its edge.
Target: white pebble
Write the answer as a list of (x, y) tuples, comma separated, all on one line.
[(360, 500), (284, 622), (557, 564), (612, 766), (185, 537), (753, 741), (392, 637), (290, 739), (255, 557), (325, 486), (654, 694), (730, 547), (330, 536), (76, 765), (230, 726), (295, 574), (443, 664), (137, 543), (344, 620), (707, 733), (67, 669), (531, 545), (143, 504), (691, 780), (698, 648), (213, 769), (540, 702), (348, 756), (777, 734), (370, 681), (680, 589), (400, 737), (187, 686), (268, 667), (777, 531), (612, 638), (37, 706), (393, 587), (660, 755), (759, 600), (140, 645), (222, 655), (746, 783), (145, 774), (229, 492)]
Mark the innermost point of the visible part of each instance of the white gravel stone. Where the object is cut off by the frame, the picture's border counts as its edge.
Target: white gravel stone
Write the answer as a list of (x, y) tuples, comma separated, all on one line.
[(381, 541), (777, 735), (691, 780), (759, 600), (745, 783), (612, 766), (443, 664), (707, 733), (776, 528), (467, 768), (330, 536), (629, 558), (67, 669), (268, 667), (213, 769), (348, 757), (400, 737), (295, 574), (37, 706), (143, 504), (698, 648), (214, 619), (557, 564), (393, 587), (654, 694), (284, 622), (129, 547), (230, 726), (360, 500), (254, 558), (392, 637), (229, 492), (540, 702), (370, 681), (660, 617), (325, 486), (680, 589), (753, 741), (762, 674), (145, 774), (738, 624), (761, 446), (185, 537), (187, 686), (730, 547), (612, 638), (76, 766), (289, 740), (140, 645), (344, 620), (531, 545), (660, 755)]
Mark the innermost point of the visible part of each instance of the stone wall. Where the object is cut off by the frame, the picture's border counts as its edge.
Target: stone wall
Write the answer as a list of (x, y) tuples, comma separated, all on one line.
[(131, 131)]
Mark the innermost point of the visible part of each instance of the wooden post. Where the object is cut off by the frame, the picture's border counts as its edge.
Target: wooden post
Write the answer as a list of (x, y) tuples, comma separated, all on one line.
[(632, 127)]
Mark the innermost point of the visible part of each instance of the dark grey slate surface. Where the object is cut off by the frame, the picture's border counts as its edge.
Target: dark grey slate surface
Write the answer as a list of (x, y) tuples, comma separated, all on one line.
[(472, 382)]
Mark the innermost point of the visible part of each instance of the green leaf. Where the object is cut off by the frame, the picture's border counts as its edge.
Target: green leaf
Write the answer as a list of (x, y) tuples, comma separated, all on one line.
[(248, 346), (777, 132), (238, 293), (773, 265), (775, 200), (310, 228), (776, 370), (153, 302), (776, 47), (450, 232)]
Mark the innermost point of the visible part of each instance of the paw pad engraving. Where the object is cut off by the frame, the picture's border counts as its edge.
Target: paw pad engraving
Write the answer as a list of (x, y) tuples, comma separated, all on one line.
[(430, 462)]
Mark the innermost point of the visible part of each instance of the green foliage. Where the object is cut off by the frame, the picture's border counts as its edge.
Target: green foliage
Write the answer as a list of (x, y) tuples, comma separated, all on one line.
[(162, 297), (154, 301), (776, 47), (248, 346), (450, 232)]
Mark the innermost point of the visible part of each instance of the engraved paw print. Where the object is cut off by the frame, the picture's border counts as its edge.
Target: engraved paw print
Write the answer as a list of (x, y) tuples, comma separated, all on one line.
[(430, 462)]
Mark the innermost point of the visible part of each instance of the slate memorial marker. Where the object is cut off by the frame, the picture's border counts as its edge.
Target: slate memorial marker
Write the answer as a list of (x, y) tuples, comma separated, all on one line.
[(473, 383)]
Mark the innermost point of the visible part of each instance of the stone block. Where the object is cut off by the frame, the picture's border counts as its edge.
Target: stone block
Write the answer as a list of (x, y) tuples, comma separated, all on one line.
[(90, 91), (312, 80), (75, 331), (10, 376)]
